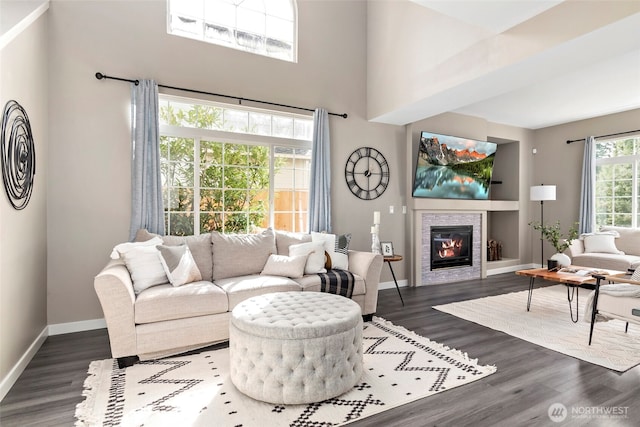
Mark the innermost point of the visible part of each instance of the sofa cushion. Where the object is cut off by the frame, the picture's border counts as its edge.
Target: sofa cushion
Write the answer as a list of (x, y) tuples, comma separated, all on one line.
[(312, 282), (284, 239), (241, 254), (145, 267), (118, 250), (629, 240), (316, 256), (600, 243), (606, 261), (200, 247), (166, 302), (285, 266), (240, 288), (179, 265)]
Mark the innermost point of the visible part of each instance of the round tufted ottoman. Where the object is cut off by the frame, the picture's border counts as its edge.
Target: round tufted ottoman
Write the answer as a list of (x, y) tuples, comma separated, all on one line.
[(295, 347)]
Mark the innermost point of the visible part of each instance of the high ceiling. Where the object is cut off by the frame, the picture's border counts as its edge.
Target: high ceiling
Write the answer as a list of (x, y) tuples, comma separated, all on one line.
[(592, 75)]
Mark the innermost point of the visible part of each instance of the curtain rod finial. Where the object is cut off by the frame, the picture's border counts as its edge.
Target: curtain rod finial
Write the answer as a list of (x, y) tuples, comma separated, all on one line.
[(100, 76)]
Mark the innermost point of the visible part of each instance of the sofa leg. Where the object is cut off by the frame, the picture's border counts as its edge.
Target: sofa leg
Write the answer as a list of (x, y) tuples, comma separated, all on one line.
[(125, 362), (367, 317)]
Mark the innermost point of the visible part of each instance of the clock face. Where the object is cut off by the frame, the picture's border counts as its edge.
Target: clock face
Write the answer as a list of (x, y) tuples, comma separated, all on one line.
[(367, 173)]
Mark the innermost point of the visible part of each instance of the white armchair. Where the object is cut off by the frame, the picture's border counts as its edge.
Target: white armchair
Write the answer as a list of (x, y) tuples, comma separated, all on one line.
[(619, 299)]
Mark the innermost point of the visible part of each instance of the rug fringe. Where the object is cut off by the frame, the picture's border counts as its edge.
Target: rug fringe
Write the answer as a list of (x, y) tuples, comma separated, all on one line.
[(84, 409), (463, 355)]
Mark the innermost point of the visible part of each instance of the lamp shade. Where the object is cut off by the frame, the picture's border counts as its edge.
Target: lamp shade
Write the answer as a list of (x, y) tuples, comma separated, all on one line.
[(542, 192)]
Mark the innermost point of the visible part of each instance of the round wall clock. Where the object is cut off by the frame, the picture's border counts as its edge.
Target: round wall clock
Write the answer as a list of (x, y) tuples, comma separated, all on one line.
[(367, 173)]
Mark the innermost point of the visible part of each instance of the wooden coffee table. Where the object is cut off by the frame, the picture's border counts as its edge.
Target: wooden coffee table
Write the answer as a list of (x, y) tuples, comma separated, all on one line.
[(571, 281)]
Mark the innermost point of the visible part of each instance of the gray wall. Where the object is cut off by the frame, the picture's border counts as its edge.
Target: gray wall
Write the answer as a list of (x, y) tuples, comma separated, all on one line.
[(559, 163), (23, 234), (90, 167)]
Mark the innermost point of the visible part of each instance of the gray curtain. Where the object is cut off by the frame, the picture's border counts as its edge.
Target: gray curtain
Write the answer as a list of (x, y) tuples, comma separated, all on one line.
[(320, 191), (146, 186), (587, 216)]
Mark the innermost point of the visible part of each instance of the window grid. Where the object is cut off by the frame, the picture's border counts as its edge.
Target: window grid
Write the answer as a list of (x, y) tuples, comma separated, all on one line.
[(264, 27), (617, 195), (213, 183)]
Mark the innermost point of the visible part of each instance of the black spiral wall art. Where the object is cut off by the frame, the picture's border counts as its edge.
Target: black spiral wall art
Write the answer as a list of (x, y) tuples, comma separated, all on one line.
[(18, 155)]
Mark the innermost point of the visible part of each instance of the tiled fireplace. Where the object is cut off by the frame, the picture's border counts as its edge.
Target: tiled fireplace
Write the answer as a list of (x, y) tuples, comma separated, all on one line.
[(444, 235)]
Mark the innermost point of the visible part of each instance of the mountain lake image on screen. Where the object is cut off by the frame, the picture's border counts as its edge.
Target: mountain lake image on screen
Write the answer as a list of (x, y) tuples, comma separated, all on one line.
[(450, 167)]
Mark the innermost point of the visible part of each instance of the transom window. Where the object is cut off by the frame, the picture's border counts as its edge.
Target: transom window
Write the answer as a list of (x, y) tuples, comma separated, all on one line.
[(265, 27), (232, 169), (617, 184)]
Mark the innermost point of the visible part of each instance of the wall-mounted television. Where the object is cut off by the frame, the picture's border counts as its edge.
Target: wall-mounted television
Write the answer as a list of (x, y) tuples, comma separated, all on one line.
[(450, 167)]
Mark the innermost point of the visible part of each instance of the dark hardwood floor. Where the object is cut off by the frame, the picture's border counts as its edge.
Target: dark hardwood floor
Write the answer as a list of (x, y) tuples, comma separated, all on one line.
[(529, 378)]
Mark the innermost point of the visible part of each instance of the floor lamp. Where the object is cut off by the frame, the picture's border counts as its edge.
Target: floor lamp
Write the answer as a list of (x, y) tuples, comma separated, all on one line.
[(541, 193)]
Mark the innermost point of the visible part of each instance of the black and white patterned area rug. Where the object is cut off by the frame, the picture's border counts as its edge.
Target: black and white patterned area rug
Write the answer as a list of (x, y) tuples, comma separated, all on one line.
[(195, 390)]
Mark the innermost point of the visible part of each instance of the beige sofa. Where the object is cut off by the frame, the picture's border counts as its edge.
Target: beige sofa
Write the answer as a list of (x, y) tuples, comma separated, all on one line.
[(163, 319), (613, 248)]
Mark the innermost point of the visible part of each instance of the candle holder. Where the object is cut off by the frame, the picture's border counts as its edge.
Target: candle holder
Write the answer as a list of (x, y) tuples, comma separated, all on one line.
[(375, 240)]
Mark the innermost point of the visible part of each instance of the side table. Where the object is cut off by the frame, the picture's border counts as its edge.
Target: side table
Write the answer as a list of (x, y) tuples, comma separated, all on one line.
[(389, 260)]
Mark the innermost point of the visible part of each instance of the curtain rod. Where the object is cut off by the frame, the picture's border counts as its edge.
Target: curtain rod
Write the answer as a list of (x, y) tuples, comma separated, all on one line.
[(101, 76), (604, 136)]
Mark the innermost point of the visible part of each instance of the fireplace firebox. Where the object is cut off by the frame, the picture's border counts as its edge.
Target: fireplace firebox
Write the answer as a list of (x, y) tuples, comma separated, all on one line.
[(451, 246)]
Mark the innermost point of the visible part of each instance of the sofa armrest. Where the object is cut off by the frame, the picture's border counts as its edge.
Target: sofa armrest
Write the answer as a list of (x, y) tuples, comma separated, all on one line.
[(576, 247), (114, 288), (368, 266)]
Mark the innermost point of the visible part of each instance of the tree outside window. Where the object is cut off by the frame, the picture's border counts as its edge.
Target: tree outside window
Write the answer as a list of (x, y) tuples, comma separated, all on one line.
[(213, 184)]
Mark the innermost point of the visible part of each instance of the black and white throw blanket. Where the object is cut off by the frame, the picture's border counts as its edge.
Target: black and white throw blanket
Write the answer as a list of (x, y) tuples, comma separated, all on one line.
[(339, 282)]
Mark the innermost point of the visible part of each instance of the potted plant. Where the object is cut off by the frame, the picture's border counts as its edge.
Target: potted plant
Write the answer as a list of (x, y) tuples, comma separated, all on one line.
[(553, 234)]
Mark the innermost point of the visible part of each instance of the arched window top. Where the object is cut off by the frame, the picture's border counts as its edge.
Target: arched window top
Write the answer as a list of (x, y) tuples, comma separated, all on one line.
[(265, 27)]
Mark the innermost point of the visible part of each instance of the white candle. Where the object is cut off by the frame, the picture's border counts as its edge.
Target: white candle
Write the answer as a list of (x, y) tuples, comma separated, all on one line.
[(373, 229), (376, 217)]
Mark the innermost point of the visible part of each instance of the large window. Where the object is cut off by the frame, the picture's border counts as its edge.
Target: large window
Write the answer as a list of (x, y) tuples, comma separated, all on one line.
[(265, 27), (617, 184), (231, 169)]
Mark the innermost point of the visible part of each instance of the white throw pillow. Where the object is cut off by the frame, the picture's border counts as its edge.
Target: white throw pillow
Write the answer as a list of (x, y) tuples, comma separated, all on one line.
[(315, 253), (124, 247), (179, 265), (145, 267), (285, 266), (338, 260), (600, 243)]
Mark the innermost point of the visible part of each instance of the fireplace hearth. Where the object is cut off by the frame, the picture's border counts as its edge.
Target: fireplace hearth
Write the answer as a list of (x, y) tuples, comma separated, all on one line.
[(451, 246)]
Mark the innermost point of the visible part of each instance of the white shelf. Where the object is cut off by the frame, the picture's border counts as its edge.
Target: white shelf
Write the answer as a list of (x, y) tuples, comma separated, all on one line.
[(465, 205)]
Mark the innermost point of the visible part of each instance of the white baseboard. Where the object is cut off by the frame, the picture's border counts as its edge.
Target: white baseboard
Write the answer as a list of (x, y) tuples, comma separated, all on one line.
[(84, 325), (18, 369), (392, 285), (511, 269), (57, 329)]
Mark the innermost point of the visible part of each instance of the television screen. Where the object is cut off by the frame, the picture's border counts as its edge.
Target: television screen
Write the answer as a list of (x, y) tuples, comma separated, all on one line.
[(449, 167)]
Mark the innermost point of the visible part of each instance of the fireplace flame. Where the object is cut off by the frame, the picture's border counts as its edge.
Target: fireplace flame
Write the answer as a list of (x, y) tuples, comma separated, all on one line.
[(450, 247)]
